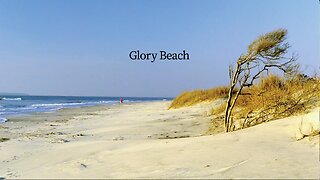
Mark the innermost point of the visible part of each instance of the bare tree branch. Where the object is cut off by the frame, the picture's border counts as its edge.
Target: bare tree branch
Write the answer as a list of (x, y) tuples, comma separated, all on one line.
[(267, 51)]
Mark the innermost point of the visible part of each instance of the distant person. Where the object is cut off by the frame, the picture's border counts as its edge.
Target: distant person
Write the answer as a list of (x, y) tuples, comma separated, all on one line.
[(121, 100)]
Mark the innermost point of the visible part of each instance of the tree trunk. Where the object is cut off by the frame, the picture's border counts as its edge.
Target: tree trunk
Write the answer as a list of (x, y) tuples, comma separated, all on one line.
[(233, 82), (227, 117)]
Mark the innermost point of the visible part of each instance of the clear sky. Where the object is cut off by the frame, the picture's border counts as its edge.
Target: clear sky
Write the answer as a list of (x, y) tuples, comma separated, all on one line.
[(77, 47)]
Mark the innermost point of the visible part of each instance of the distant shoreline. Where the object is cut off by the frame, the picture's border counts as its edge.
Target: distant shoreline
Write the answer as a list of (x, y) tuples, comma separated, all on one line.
[(12, 106), (29, 116)]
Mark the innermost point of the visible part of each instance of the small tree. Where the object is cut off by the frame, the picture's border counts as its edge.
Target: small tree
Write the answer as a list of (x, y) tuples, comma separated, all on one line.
[(266, 52)]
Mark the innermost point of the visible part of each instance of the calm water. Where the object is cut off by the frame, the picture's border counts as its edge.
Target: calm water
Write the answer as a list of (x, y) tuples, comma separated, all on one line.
[(18, 105)]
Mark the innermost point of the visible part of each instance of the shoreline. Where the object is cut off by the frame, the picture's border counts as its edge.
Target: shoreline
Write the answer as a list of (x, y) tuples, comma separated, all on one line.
[(16, 106), (31, 115), (145, 140), (62, 116)]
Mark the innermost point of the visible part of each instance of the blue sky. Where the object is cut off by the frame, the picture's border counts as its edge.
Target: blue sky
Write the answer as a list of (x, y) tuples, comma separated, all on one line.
[(77, 47)]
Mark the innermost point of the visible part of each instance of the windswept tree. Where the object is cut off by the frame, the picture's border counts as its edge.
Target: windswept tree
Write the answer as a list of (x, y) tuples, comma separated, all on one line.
[(266, 52)]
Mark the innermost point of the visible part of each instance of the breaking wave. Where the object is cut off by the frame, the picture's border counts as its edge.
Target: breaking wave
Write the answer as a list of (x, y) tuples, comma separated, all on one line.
[(11, 99)]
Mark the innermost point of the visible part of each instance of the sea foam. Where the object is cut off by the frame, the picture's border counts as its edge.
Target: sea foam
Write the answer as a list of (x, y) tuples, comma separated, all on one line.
[(11, 99)]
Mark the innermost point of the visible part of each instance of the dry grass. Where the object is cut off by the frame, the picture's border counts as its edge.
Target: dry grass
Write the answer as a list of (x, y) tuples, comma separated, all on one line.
[(197, 96), (219, 110), (274, 97)]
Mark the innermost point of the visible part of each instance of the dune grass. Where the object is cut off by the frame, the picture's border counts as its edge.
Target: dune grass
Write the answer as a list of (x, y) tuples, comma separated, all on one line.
[(274, 97), (198, 96)]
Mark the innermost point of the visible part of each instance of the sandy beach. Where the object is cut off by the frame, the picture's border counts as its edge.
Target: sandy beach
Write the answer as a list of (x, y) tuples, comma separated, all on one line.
[(145, 140), (159, 89)]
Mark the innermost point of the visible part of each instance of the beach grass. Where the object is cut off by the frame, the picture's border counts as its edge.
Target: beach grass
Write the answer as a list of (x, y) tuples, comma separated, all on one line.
[(275, 97), (272, 97), (197, 96)]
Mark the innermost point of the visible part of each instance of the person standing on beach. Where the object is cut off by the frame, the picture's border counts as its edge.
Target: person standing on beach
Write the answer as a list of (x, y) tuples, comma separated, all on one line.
[(121, 100)]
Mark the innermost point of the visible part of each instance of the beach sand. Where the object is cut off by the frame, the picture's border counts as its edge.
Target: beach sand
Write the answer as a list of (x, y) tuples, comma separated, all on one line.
[(145, 140)]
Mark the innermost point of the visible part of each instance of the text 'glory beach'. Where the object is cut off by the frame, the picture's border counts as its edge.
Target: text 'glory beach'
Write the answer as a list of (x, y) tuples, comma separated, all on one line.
[(136, 55)]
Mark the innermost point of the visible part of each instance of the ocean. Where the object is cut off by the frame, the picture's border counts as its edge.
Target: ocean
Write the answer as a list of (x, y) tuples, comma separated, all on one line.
[(20, 105)]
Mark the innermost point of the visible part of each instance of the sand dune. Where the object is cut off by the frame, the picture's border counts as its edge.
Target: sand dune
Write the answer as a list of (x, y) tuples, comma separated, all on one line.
[(145, 140)]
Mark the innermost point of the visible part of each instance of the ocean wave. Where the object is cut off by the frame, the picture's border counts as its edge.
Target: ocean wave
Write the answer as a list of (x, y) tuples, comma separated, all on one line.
[(57, 104), (73, 104), (102, 102), (11, 99)]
